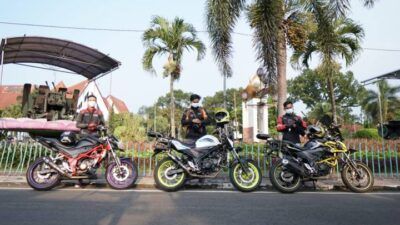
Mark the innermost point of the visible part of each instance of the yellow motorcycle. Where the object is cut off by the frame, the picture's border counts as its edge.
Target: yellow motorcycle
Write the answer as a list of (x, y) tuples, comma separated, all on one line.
[(317, 158)]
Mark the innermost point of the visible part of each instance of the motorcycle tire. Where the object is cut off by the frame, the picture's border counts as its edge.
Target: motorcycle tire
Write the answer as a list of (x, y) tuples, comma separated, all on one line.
[(276, 177), (123, 179), (41, 182), (348, 175), (245, 182), (166, 182)]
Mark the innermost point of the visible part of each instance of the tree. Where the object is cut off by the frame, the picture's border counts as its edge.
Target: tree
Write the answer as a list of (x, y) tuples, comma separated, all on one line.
[(233, 102), (131, 128), (161, 110), (345, 92), (172, 39), (275, 23), (333, 39), (389, 100), (12, 111)]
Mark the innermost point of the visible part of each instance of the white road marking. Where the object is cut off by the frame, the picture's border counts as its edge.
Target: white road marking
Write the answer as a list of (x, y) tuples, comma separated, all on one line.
[(204, 191)]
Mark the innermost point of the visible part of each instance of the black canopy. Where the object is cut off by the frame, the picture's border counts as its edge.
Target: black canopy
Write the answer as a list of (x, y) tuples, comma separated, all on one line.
[(68, 55), (392, 75)]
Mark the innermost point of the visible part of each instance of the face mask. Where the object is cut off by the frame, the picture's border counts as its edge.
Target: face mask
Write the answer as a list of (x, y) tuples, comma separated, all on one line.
[(92, 104), (289, 111), (195, 105)]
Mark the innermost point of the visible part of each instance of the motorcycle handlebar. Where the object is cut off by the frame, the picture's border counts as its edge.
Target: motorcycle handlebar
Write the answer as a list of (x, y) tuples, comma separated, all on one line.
[(154, 134)]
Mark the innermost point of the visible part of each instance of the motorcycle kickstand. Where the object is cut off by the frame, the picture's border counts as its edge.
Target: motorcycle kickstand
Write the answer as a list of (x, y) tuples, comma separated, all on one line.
[(315, 187)]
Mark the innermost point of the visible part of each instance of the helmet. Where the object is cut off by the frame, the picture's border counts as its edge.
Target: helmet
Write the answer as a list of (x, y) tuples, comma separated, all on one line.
[(315, 132), (221, 116), (68, 138)]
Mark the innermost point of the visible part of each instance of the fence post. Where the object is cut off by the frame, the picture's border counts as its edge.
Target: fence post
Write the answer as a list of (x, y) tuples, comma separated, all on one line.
[(151, 159), (384, 159), (12, 159), (373, 163), (258, 154), (397, 161), (2, 155)]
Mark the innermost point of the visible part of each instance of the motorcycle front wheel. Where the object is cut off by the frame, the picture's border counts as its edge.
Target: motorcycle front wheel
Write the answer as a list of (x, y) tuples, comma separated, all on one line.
[(164, 180), (360, 182), (121, 177), (284, 180), (245, 181), (41, 176)]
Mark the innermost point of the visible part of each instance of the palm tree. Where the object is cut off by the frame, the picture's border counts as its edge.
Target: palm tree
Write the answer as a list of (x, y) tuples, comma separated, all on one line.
[(334, 38), (275, 23), (388, 98), (171, 39)]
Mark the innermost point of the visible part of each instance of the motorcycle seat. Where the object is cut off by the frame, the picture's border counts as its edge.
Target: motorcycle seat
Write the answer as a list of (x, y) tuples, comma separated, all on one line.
[(83, 145), (295, 147), (263, 136)]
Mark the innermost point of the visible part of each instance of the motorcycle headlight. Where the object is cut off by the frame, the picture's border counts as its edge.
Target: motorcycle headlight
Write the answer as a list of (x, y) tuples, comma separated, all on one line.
[(121, 145)]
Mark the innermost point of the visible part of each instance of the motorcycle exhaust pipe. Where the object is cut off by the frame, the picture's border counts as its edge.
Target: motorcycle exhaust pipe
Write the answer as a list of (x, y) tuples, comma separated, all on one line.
[(296, 168), (54, 166)]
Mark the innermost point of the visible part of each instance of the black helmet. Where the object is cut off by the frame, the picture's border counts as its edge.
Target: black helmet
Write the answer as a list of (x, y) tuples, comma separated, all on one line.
[(68, 137), (315, 132)]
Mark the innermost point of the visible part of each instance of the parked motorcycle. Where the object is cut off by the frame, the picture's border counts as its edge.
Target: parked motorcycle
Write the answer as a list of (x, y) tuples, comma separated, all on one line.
[(203, 159), (318, 158), (80, 161)]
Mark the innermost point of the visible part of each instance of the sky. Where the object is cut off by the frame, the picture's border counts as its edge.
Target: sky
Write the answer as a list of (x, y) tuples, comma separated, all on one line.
[(136, 86)]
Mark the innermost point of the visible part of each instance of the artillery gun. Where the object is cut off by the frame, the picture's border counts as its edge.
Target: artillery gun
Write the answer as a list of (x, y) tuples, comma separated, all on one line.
[(52, 104)]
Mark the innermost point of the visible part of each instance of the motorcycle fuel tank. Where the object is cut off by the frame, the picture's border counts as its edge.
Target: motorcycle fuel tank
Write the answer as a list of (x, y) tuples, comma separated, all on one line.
[(207, 141)]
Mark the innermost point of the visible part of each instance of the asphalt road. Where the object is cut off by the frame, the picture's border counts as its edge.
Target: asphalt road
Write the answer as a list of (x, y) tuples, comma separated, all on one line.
[(135, 207)]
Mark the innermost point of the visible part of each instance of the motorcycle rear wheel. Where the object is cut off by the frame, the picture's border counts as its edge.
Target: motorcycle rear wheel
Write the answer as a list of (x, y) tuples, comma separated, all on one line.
[(352, 180), (283, 180), (167, 182), (40, 181), (245, 182)]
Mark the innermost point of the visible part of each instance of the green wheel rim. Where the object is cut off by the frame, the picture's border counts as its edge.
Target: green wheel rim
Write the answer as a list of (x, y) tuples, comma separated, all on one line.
[(169, 181), (246, 181)]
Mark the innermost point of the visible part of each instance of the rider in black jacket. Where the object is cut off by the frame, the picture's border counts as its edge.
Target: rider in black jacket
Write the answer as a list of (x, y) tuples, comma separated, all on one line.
[(195, 119)]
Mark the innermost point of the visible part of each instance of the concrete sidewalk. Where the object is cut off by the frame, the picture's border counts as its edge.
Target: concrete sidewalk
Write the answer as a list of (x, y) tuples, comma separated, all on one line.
[(221, 183)]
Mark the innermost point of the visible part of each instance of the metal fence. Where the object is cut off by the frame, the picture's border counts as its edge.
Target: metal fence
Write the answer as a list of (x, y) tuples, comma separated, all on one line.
[(383, 159)]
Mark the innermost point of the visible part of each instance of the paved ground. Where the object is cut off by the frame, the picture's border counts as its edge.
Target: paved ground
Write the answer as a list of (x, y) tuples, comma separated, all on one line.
[(106, 207), (222, 183)]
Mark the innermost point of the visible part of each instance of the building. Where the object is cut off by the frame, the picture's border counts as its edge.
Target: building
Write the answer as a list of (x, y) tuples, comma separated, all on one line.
[(10, 95), (255, 110)]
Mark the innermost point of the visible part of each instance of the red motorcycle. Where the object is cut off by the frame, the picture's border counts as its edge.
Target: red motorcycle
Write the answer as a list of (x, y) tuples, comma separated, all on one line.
[(80, 161)]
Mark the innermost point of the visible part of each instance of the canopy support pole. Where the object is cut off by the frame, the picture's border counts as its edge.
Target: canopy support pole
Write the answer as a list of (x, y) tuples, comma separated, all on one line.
[(2, 61)]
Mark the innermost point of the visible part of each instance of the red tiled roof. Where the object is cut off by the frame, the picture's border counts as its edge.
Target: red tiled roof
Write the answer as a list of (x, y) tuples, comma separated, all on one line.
[(118, 104), (60, 85), (80, 86), (10, 95)]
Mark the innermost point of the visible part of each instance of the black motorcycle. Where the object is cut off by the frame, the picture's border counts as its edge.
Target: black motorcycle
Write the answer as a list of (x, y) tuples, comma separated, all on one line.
[(318, 158), (203, 159)]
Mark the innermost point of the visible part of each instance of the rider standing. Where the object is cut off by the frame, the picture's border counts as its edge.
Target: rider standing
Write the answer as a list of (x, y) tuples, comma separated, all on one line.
[(291, 125), (195, 119), (90, 118)]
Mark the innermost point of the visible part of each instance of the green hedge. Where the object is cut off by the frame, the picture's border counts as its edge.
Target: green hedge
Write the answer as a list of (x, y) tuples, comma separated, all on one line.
[(369, 133)]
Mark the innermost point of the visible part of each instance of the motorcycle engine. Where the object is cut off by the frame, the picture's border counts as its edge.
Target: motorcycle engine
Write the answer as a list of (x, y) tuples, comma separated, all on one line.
[(86, 164), (211, 163), (323, 169)]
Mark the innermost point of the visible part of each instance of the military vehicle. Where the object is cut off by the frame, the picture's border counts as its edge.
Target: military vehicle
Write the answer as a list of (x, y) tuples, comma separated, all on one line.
[(50, 104)]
